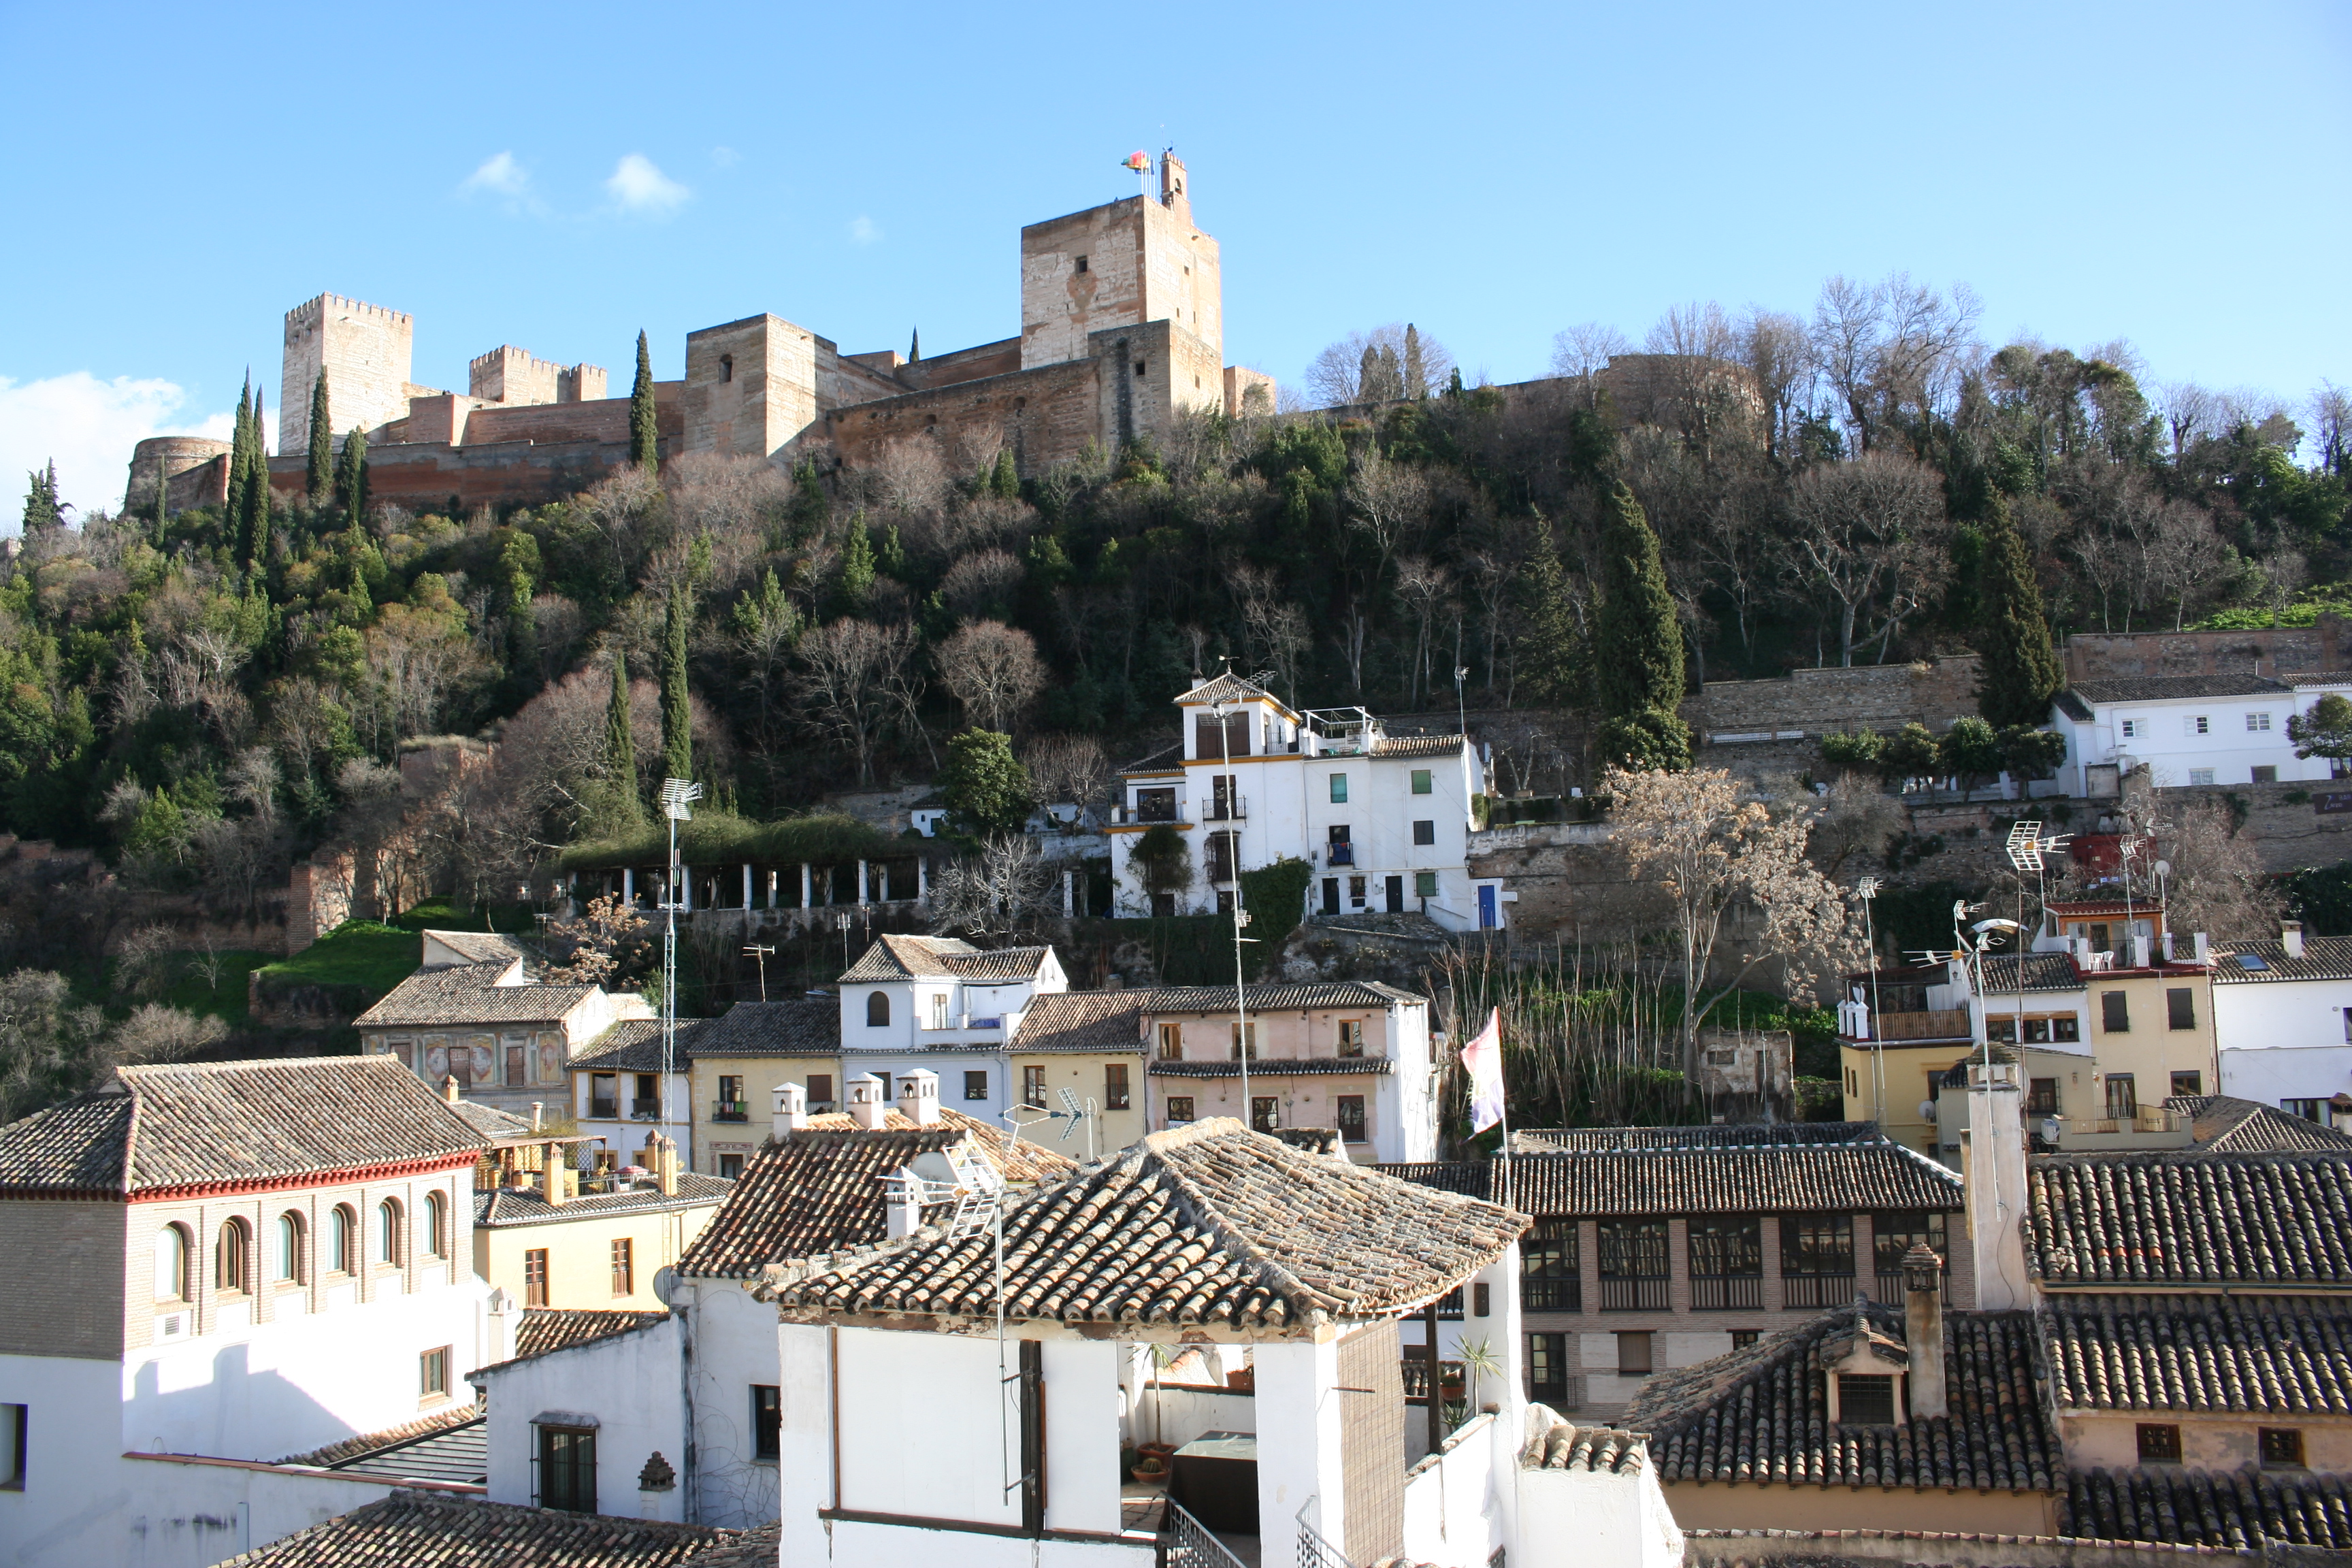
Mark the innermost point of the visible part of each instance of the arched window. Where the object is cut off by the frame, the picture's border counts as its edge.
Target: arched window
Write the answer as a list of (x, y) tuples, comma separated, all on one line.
[(233, 1262), (388, 1231), (290, 1228), (345, 1252), (172, 1263), (437, 1217), (878, 1010)]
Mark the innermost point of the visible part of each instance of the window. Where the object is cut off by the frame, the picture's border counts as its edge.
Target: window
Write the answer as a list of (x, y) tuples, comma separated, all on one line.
[(1852, 1083), (1355, 892), (1082, 264), (534, 1278), (1634, 1354), (1180, 1109), (1424, 884), (516, 1069), (2042, 1097), (2158, 1443), (1816, 1260), (1481, 1300), (1114, 1094), (1208, 740), (939, 1010), (731, 1166), (2200, 775), (437, 1226), (1338, 789), (172, 1264), (1033, 1086), (1265, 1113), (2309, 1109), (820, 1089), (731, 1106), (1351, 1036), (878, 1010), (603, 1094), (2198, 724), (767, 1421), (1633, 1264), (975, 1084), (1547, 1268), (2191, 1083), (288, 1269), (2264, 772), (1155, 805), (344, 1243), (2258, 722), (2115, 1012), (625, 1267), (1742, 1338), (1421, 781), (1866, 1399), (1352, 1118), (1223, 859), (2281, 1448), (12, 1446), (1245, 1039), (2123, 1097), (1339, 850), (2067, 1029), (2134, 729), (1331, 900), (388, 1231), (567, 1468), (1727, 1262), (233, 1262), (726, 367), (1424, 832), (1171, 1039), (2180, 1007), (1548, 1369), (433, 1374)]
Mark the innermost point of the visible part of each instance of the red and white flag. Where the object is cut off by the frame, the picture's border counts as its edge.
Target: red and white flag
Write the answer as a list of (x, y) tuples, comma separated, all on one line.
[(1482, 1060)]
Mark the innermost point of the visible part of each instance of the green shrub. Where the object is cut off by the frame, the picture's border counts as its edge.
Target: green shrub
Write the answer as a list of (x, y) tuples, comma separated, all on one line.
[(1853, 748)]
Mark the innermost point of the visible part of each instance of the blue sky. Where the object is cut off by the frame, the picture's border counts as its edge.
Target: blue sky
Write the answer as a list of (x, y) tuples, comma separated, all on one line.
[(559, 176)]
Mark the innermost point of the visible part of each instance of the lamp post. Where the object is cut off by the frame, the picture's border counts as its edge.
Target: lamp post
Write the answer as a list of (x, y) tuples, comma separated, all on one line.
[(676, 796)]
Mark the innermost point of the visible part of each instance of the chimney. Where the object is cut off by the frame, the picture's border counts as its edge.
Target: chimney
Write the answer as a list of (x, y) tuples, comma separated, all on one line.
[(1923, 1328), (2290, 938), (537, 1115), (866, 1103), (557, 1183), (665, 1165), (1993, 1168), (449, 1088), (902, 1193), (792, 1112), (918, 1097)]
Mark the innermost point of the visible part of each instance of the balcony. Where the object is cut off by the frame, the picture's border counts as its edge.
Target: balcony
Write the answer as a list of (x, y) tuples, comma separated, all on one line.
[(1154, 809), (1642, 1293), (1539, 1293), (730, 1110), (1339, 854), (1727, 1292), (645, 1110), (1940, 1024), (604, 1110), (1233, 808), (2148, 1127), (1816, 1290)]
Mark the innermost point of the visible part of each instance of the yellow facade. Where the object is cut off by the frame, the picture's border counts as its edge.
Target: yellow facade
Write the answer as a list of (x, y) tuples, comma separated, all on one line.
[(1112, 1080), (580, 1270), (731, 1130)]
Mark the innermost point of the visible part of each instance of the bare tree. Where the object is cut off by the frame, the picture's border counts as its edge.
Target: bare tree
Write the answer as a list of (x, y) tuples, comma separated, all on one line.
[(2182, 554), (1002, 893), (854, 677), (1773, 347), (1853, 822), (1335, 377), (1272, 628), (982, 583), (610, 944), (993, 670), (1582, 351), (1424, 586), (1386, 503), (1864, 536), (1071, 769), (2331, 426), (2217, 884)]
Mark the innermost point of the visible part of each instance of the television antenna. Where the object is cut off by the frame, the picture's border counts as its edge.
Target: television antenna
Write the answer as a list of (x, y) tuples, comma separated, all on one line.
[(1073, 1113), (1867, 891), (760, 954), (2029, 850), (677, 796)]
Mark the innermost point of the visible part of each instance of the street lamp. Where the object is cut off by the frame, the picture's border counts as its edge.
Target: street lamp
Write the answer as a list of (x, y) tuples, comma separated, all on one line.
[(676, 796)]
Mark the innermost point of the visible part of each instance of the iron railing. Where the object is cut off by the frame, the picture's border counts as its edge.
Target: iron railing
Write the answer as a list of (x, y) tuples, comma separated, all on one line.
[(1339, 854), (730, 1110), (604, 1108), (1726, 1292), (645, 1110), (1314, 1551), (1185, 1542)]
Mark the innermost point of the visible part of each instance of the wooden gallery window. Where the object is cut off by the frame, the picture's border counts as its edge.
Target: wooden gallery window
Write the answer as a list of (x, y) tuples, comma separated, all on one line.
[(1634, 1265), (1352, 1121), (625, 1267), (534, 1278), (1549, 1276), (1727, 1262)]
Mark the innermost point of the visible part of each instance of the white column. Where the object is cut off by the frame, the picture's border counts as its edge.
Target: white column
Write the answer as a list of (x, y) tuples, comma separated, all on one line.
[(922, 880), (1298, 1443), (746, 884), (1082, 1436), (1069, 906), (862, 899), (805, 887), (804, 1477), (1993, 1166), (628, 888), (772, 887)]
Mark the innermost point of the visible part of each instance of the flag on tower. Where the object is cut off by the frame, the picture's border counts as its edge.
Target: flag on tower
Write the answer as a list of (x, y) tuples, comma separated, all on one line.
[(1138, 162), (1482, 1060)]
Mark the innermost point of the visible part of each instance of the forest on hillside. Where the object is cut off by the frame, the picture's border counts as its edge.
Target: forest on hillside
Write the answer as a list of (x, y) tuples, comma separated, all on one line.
[(208, 695)]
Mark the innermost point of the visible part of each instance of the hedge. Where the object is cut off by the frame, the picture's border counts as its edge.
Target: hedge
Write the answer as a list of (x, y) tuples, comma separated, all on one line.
[(721, 838)]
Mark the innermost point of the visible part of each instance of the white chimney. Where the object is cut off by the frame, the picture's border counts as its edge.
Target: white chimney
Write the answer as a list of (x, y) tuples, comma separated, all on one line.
[(918, 1096), (2290, 938), (1923, 1330), (902, 1195), (867, 1105), (792, 1112), (1993, 1166)]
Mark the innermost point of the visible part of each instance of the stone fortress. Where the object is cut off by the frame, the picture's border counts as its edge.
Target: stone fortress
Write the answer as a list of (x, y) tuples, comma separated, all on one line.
[(1122, 329)]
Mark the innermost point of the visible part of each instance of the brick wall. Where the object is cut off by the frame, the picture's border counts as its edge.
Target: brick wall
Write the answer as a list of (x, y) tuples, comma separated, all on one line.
[(70, 1278), (751, 386), (1882, 696), (2090, 654), (1044, 414)]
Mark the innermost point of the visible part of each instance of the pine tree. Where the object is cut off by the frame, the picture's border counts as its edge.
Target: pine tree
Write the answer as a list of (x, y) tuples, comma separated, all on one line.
[(1415, 382), (644, 429), (1551, 653), (43, 512), (2020, 672), (621, 745), (678, 713), (1637, 653), (1004, 479), (856, 578), (320, 478)]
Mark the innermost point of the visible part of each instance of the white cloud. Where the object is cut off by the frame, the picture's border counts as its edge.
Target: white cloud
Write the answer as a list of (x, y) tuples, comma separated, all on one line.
[(725, 157), (500, 174), (637, 186), (864, 230), (88, 427)]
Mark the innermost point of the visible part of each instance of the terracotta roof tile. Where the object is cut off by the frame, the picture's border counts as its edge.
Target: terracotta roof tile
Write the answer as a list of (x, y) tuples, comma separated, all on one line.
[(1274, 996), (2108, 691), (1565, 1445), (2284, 1355), (1227, 687), (2225, 1124), (2324, 958), (187, 1123), (498, 1206), (635, 1045), (2240, 1510), (546, 1330), (481, 946), (1714, 1135), (807, 1028), (464, 995), (1418, 745), (908, 957), (1790, 1178), (1082, 1021), (1207, 1224), (390, 1436), (2044, 972), (421, 1530), (1277, 1067), (2190, 1218), (1760, 1415)]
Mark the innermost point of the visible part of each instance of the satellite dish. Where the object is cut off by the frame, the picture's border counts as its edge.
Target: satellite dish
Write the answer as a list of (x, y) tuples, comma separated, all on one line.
[(2164, 868), (665, 1281), (2050, 1130), (1926, 1110)]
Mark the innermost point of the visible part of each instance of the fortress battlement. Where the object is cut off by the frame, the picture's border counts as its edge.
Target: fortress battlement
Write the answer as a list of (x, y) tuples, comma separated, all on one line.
[(309, 310)]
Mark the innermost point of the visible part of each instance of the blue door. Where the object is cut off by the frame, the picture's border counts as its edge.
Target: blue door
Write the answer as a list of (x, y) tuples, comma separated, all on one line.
[(1486, 907)]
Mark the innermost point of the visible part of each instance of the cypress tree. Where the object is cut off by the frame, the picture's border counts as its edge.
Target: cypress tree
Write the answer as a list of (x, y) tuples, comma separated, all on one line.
[(2020, 672), (1004, 479), (1551, 651), (678, 713), (915, 347), (645, 430), (43, 510), (351, 477), (1368, 375), (320, 481), (253, 525), (163, 513), (621, 745), (240, 441), (1637, 653), (1415, 382)]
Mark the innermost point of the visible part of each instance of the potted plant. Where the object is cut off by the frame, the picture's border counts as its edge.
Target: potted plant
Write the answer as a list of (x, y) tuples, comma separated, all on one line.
[(1150, 1469)]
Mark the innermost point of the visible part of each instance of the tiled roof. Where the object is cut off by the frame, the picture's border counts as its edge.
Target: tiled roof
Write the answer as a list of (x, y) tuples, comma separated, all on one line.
[(907, 957), (421, 1530), (2044, 972), (755, 1548), (2107, 692), (1082, 1021), (481, 946), (464, 994), (1469, 1178), (635, 1045), (1227, 687), (1277, 1067), (2237, 1510), (1760, 1416), (1018, 1161), (2190, 1218), (2324, 958), (1565, 1445), (1274, 997), (1714, 1135), (459, 1456), (1792, 1178), (494, 1125), (1418, 745), (546, 1330), (1206, 1224), (185, 1124), (498, 1207), (808, 1028), (2142, 908), (2225, 1124), (1314, 1140), (350, 1448), (2275, 1354)]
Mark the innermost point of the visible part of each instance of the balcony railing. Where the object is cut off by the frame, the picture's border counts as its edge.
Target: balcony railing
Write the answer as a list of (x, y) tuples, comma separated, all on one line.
[(1234, 808), (1942, 1024), (730, 1110), (1339, 854), (1726, 1292), (604, 1108), (1636, 1295), (1816, 1290), (1537, 1294), (1154, 811), (641, 1110)]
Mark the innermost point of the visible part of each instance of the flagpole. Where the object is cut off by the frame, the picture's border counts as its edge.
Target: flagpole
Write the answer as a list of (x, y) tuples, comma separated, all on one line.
[(1504, 1106)]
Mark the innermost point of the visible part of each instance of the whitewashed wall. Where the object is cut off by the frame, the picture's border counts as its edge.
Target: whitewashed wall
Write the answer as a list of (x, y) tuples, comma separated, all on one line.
[(629, 1382)]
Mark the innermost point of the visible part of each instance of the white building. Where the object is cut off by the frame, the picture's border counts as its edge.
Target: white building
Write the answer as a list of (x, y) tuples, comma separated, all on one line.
[(1384, 821), (2185, 730), (219, 1265), (2282, 1016)]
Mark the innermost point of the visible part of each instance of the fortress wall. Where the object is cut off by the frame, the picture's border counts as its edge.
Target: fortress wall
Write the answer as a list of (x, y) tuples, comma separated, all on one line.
[(1061, 307), (2091, 655), (1046, 415), (195, 472), (1000, 358), (606, 419), (1879, 696)]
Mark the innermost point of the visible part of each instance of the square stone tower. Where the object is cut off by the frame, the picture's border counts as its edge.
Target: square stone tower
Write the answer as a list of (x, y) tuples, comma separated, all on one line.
[(751, 386), (365, 351), (1121, 265), (514, 376)]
